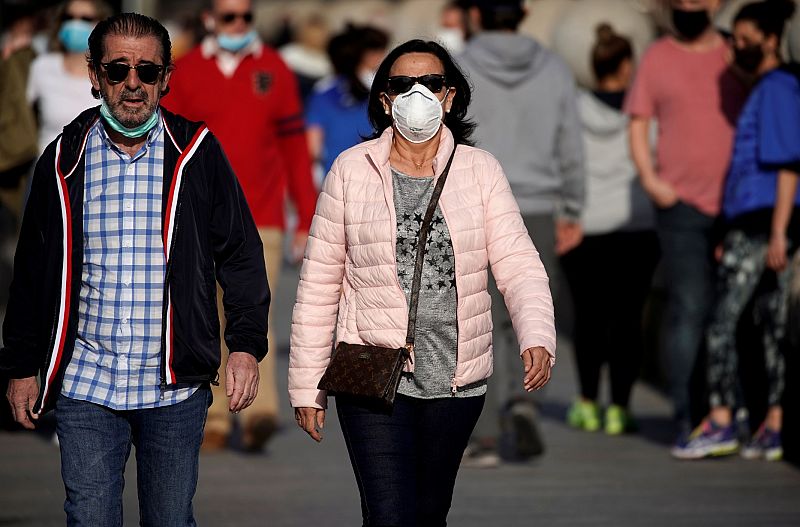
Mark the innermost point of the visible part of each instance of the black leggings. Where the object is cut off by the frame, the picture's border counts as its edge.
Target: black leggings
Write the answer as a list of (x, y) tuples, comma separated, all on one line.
[(609, 277), (406, 461)]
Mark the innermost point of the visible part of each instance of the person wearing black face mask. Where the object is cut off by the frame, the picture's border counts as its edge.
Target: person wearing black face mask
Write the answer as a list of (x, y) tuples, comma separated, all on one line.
[(761, 208), (758, 28), (690, 25), (684, 81)]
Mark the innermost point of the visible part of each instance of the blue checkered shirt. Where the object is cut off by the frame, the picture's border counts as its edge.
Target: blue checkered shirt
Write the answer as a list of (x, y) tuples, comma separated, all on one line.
[(117, 357)]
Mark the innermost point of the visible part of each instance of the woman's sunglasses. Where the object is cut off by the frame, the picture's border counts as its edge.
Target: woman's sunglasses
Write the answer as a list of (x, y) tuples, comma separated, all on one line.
[(118, 72), (228, 18), (402, 83)]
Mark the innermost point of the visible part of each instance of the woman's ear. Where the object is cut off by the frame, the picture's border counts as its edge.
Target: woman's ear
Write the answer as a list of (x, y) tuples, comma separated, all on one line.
[(772, 45), (448, 100), (387, 108)]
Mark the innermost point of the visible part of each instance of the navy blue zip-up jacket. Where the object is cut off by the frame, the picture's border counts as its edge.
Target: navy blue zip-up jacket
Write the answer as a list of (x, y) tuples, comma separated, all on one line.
[(208, 233)]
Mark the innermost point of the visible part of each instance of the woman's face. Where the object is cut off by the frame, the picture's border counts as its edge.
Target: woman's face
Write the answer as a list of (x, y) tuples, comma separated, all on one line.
[(746, 33), (419, 65)]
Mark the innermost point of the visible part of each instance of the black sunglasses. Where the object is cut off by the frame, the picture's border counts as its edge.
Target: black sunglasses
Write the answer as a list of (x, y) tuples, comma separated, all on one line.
[(402, 83), (118, 72), (67, 16), (228, 18)]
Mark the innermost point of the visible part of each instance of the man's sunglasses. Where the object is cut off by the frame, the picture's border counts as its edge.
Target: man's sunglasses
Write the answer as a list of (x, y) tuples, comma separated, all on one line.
[(118, 71), (66, 17), (402, 83), (229, 18)]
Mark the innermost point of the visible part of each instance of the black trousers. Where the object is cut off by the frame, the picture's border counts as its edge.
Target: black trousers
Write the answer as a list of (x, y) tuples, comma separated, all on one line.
[(609, 278), (405, 461)]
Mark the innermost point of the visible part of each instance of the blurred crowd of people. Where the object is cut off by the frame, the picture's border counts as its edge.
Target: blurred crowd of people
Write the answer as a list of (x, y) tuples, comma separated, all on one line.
[(687, 157)]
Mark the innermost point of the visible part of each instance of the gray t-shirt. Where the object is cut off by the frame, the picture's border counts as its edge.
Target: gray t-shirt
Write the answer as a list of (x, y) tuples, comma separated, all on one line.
[(436, 339)]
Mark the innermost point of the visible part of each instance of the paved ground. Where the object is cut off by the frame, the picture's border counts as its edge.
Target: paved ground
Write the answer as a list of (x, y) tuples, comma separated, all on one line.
[(583, 479)]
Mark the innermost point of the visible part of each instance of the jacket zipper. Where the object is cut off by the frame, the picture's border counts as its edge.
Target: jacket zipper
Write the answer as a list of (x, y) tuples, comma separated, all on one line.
[(42, 396), (453, 384), (165, 311)]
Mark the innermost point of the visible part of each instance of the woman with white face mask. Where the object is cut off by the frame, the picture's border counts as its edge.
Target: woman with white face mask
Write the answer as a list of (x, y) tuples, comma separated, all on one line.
[(58, 84), (357, 280)]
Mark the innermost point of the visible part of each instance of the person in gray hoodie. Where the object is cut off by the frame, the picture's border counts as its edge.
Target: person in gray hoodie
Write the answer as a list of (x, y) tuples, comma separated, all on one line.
[(524, 102)]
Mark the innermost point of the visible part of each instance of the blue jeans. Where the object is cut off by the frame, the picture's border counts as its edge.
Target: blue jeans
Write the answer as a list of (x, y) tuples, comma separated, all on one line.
[(687, 251), (406, 461), (95, 443)]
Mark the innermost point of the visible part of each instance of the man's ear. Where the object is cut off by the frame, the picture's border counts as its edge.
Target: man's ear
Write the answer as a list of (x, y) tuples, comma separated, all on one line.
[(166, 77), (209, 23), (93, 77)]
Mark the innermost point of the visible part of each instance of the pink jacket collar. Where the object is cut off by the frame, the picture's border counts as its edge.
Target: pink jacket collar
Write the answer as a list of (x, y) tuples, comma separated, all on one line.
[(380, 149)]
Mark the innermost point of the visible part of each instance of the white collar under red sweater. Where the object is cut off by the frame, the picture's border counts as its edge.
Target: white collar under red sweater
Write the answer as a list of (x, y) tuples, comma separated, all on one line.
[(227, 62)]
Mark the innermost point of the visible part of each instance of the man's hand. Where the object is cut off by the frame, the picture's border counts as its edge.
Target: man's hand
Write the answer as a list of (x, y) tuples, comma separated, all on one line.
[(537, 367), (569, 234), (22, 395), (241, 380), (312, 420), (661, 192)]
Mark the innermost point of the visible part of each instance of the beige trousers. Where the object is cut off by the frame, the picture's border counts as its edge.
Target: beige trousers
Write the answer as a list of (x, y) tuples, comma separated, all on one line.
[(266, 403)]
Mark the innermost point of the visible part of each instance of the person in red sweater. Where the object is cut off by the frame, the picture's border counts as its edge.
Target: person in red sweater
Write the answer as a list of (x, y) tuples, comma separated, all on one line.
[(249, 98)]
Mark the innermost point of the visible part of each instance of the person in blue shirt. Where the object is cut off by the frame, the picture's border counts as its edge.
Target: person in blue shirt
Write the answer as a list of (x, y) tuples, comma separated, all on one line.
[(761, 207), (336, 114)]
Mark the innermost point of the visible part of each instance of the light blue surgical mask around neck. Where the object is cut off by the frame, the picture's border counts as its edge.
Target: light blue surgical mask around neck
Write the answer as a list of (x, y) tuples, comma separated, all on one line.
[(236, 43), (117, 126), (74, 35)]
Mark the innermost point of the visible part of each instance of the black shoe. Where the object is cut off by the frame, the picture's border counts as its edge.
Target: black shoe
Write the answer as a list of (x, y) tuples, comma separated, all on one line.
[(522, 439)]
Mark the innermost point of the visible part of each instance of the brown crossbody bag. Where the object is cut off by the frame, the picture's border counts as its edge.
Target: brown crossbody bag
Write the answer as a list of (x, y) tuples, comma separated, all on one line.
[(373, 372)]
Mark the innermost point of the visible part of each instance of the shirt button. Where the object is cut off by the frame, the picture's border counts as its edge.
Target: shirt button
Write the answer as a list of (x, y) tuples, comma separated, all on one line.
[(124, 320)]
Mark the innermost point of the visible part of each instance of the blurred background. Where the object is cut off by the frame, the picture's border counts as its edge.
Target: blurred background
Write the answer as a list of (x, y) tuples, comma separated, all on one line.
[(300, 30)]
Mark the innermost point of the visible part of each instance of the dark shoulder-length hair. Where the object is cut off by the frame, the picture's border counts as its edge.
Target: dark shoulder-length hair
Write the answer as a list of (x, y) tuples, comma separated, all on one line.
[(456, 120)]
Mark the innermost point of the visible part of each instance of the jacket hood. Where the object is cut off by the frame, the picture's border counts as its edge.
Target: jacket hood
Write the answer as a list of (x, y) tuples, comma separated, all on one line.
[(506, 58), (597, 117)]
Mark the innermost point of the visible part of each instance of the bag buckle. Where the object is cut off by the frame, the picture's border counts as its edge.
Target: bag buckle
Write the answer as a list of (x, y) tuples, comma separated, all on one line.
[(409, 350)]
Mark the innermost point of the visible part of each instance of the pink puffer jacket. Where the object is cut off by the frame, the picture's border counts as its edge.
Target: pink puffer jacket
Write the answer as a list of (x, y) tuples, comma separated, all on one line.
[(348, 281)]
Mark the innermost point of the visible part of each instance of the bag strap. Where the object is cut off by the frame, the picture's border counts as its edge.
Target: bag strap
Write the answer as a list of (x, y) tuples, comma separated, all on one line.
[(422, 238)]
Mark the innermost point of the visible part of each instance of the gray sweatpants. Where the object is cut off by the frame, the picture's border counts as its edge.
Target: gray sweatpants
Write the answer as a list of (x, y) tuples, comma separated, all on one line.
[(506, 382)]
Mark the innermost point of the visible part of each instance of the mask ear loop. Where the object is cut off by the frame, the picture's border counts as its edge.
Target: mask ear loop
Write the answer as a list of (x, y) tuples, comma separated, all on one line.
[(444, 99), (387, 111)]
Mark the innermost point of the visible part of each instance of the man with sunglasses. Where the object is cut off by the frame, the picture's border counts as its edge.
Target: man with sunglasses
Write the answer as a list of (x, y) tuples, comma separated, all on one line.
[(247, 95), (134, 213)]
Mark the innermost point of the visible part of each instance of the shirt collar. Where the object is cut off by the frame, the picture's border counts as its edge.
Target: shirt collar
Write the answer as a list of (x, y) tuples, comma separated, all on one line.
[(152, 135), (210, 48)]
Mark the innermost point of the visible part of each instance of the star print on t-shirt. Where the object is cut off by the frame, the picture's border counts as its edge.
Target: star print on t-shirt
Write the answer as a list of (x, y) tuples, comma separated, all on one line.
[(438, 271)]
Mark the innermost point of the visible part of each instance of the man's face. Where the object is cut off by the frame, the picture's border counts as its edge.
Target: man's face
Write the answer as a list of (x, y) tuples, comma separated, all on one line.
[(232, 17), (131, 100)]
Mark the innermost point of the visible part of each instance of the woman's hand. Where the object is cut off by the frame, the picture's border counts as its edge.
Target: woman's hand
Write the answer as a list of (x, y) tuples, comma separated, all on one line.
[(537, 367), (312, 420), (776, 252)]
